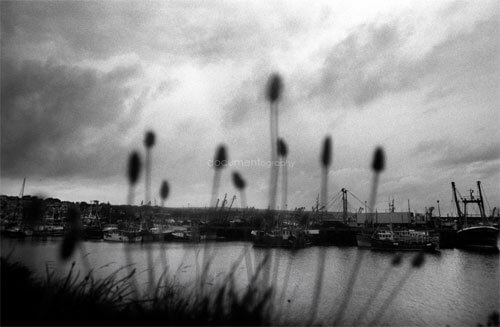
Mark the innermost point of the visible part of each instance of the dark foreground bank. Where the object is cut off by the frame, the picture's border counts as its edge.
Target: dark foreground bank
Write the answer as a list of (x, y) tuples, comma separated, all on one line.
[(26, 300)]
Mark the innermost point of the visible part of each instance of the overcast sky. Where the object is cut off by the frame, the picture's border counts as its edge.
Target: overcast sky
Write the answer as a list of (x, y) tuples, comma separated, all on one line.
[(81, 82)]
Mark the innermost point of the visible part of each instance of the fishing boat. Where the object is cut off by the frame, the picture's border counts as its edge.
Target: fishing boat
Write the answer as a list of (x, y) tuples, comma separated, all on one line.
[(55, 230), (17, 231), (116, 235), (92, 227), (155, 233), (472, 232), (284, 237), (364, 238), (181, 236), (404, 240), (93, 232)]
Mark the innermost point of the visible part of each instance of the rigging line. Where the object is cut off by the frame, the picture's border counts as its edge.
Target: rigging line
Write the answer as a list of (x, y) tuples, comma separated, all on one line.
[(333, 200), (333, 196), (362, 202), (484, 196)]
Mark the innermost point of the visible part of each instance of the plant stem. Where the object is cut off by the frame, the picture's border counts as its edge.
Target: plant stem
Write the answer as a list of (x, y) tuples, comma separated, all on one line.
[(215, 187), (284, 190), (148, 176), (274, 145), (373, 195)]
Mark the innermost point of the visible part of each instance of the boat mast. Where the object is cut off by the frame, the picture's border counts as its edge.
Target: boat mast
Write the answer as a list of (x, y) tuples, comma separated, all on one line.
[(480, 201), (455, 198), (344, 205), (21, 194)]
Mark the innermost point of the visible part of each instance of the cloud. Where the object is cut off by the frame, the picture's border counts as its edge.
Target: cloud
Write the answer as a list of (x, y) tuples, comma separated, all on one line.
[(372, 62), (445, 153), (61, 120), (178, 32), (77, 74)]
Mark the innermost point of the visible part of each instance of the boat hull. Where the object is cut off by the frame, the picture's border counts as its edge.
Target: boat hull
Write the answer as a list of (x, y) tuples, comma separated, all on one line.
[(122, 237), (266, 240), (478, 237), (390, 245), (363, 240), (93, 233)]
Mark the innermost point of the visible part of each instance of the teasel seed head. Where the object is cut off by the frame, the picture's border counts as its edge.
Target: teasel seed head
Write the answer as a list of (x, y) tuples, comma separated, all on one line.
[(378, 164), (149, 140), (282, 148), (134, 168), (164, 190), (68, 246), (326, 156), (72, 236), (238, 181), (396, 260), (220, 157), (418, 260), (274, 88)]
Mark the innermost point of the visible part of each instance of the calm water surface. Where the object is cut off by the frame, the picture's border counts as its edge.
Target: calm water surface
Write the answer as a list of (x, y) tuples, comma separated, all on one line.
[(453, 287)]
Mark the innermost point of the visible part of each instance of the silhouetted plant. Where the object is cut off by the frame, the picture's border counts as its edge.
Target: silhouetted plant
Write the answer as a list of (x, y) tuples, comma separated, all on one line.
[(282, 153), (134, 170), (149, 142), (395, 262), (73, 235), (325, 161), (33, 212), (220, 161), (378, 166), (417, 262), (240, 184), (164, 190), (274, 91)]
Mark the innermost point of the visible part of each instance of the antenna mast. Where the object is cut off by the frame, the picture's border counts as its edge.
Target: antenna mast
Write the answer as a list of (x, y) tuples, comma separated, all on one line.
[(21, 194), (455, 198), (480, 201), (344, 204)]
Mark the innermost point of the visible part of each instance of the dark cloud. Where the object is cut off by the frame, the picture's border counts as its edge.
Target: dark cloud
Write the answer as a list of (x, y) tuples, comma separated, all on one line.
[(179, 32), (60, 120), (368, 64)]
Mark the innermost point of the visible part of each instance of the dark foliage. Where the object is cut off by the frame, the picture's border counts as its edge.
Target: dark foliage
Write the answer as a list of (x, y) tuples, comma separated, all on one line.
[(69, 302)]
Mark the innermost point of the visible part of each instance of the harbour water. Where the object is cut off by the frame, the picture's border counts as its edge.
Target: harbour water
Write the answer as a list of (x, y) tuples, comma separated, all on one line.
[(453, 287)]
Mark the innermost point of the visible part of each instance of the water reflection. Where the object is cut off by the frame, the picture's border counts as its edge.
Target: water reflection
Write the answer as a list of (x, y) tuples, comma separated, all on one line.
[(454, 287)]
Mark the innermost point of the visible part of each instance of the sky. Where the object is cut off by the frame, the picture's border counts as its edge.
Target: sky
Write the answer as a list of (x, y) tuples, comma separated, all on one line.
[(82, 82)]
